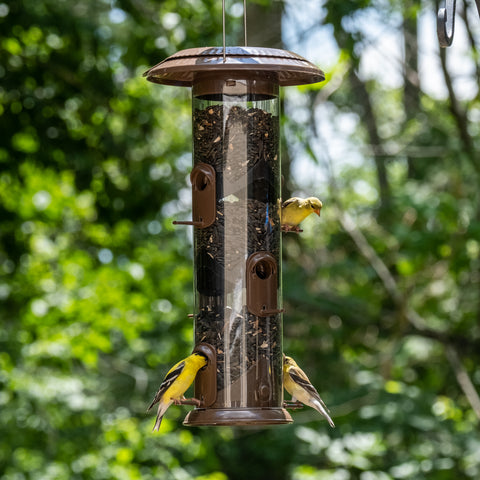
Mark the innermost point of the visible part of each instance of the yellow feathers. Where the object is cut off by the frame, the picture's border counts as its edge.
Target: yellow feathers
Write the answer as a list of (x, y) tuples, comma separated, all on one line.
[(298, 385), (175, 384), (295, 210)]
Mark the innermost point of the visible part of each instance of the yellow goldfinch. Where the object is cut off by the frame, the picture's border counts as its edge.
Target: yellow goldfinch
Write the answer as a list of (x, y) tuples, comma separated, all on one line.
[(295, 210), (298, 385), (175, 384)]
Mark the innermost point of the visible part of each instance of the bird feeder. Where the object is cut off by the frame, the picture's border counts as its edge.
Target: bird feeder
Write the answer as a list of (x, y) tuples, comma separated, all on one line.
[(236, 198)]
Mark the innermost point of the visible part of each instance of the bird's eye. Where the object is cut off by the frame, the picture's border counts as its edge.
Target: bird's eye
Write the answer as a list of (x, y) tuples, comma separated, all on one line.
[(313, 206)]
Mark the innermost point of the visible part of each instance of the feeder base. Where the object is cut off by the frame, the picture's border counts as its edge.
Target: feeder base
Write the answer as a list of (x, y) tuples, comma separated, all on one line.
[(237, 416)]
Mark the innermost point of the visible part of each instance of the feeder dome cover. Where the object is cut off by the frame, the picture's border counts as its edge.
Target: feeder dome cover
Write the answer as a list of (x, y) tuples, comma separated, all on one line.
[(181, 68)]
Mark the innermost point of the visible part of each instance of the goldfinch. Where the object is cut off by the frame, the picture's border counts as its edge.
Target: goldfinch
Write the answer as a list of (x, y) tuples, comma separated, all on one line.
[(176, 383), (295, 210), (298, 385)]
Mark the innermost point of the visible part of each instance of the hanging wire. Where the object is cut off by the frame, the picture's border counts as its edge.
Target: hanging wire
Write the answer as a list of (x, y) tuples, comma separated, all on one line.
[(244, 27), (223, 26), (245, 20)]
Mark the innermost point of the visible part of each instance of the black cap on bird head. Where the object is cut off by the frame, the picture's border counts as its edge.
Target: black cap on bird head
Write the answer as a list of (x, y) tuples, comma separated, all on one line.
[(203, 355)]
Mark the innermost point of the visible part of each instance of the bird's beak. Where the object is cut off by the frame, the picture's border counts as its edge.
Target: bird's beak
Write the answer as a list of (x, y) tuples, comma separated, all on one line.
[(317, 211)]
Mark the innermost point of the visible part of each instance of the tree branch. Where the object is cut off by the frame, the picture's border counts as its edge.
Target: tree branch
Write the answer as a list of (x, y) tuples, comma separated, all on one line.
[(391, 286), (463, 379), (459, 115), (470, 36), (411, 315), (363, 99)]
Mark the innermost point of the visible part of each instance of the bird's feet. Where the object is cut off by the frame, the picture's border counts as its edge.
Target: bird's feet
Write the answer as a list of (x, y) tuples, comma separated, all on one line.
[(293, 405), (189, 401), (290, 228)]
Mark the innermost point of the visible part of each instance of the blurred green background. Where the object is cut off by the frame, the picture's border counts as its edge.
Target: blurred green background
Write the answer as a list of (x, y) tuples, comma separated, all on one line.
[(381, 293)]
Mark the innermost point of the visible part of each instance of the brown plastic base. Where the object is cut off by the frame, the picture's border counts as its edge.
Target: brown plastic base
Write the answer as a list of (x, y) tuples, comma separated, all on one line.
[(237, 416)]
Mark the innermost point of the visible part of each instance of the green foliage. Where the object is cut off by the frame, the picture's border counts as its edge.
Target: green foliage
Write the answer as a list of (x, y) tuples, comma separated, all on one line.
[(96, 283), (389, 305)]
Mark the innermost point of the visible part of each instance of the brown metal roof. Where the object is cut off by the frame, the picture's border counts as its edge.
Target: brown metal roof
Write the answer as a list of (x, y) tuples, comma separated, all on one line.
[(180, 69)]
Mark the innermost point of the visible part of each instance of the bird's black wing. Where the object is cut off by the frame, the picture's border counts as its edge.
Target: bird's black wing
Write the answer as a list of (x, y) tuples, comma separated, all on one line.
[(289, 201), (167, 382), (298, 378)]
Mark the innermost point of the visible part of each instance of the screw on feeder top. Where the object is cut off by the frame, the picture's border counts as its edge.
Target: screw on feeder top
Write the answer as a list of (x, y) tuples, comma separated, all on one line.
[(182, 68)]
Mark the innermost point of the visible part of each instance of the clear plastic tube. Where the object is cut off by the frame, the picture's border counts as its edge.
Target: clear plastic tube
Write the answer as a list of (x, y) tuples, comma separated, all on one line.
[(238, 257)]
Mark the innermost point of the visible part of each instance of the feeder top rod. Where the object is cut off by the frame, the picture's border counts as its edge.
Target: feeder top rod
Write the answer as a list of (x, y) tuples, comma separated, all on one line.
[(181, 68)]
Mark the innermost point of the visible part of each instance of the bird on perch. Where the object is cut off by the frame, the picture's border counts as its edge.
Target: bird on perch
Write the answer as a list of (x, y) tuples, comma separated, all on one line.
[(176, 383), (298, 385), (295, 210)]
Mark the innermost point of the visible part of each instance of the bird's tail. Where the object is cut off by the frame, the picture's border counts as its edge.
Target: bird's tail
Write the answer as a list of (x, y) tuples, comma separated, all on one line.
[(162, 408), (317, 405)]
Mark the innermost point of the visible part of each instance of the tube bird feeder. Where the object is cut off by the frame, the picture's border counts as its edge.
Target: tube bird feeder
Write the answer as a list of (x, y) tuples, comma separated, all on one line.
[(236, 198)]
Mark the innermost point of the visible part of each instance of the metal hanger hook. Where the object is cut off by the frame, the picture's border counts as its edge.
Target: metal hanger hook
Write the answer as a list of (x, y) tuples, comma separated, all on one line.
[(446, 23)]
